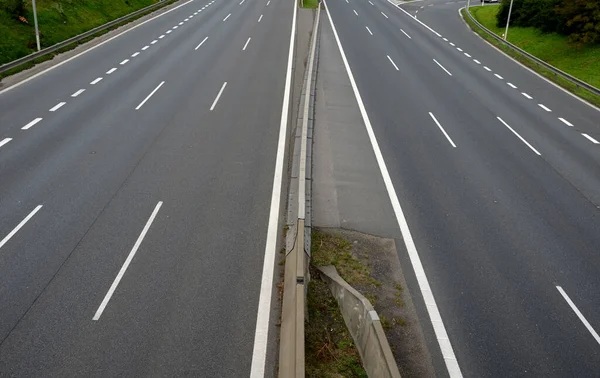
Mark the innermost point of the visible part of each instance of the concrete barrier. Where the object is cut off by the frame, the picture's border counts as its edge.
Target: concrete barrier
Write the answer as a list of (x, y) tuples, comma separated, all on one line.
[(296, 275), (364, 326)]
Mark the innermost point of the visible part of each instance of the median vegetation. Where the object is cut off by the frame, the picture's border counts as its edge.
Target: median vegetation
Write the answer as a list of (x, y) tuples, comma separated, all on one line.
[(58, 20), (575, 53)]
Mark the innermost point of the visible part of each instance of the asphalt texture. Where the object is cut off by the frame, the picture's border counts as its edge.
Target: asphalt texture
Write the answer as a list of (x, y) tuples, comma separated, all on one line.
[(100, 164), (498, 223)]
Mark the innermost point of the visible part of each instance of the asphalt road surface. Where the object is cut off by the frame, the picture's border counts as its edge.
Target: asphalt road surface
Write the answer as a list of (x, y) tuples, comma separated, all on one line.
[(139, 198), (497, 177)]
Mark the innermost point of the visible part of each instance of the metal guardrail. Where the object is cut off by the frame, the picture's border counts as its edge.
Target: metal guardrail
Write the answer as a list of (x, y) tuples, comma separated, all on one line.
[(77, 38), (572, 79)]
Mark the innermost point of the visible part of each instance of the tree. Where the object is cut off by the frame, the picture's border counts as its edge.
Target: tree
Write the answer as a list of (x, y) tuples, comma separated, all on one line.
[(582, 20)]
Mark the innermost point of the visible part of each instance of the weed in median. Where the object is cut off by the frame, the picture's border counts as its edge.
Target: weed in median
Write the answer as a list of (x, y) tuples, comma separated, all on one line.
[(334, 250), (330, 351)]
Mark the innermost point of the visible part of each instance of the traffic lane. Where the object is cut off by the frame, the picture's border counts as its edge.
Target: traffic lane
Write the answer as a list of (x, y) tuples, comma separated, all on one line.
[(42, 324), (89, 151), (32, 99), (563, 104), (440, 193), (565, 148)]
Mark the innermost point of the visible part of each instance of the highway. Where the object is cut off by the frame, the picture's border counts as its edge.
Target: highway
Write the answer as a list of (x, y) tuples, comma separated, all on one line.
[(140, 190), (486, 175)]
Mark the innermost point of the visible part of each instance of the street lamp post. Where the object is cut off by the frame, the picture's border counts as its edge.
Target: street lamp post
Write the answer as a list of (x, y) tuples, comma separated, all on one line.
[(37, 32), (508, 20)]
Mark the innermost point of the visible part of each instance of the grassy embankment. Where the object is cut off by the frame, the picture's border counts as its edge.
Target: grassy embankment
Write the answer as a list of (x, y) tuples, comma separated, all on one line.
[(58, 20), (582, 62)]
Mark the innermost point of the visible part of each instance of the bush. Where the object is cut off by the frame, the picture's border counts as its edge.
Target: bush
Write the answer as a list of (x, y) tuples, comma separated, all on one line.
[(540, 14), (578, 19), (582, 20), (15, 8)]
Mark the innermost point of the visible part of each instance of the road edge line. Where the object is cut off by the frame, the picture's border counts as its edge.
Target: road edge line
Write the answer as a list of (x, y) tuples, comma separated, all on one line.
[(259, 349)]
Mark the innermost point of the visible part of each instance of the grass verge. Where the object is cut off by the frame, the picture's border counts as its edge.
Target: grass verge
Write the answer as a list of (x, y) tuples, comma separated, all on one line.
[(19, 40), (310, 4), (583, 63), (329, 348)]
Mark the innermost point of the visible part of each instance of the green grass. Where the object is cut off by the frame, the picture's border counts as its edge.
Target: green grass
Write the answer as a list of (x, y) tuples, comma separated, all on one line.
[(334, 250), (582, 62), (309, 3), (329, 349), (58, 20)]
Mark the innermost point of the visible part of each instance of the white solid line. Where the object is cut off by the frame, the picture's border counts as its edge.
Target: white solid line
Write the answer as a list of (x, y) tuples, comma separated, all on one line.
[(94, 47), (355, 12), (201, 43), (30, 124), (27, 218), (526, 95), (579, 314), (150, 95), (467, 55), (246, 45), (544, 107), (57, 106), (394, 64), (459, 49), (409, 37), (259, 351), (369, 30), (565, 122), (590, 138), (96, 81), (476, 61), (124, 62), (442, 67), (218, 96), (136, 246), (442, 129), (111, 70), (4, 141), (161, 36), (153, 42), (519, 136), (225, 19), (511, 85), (432, 309), (487, 68), (135, 54), (384, 15), (260, 18), (145, 47), (452, 44), (498, 76), (77, 93)]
